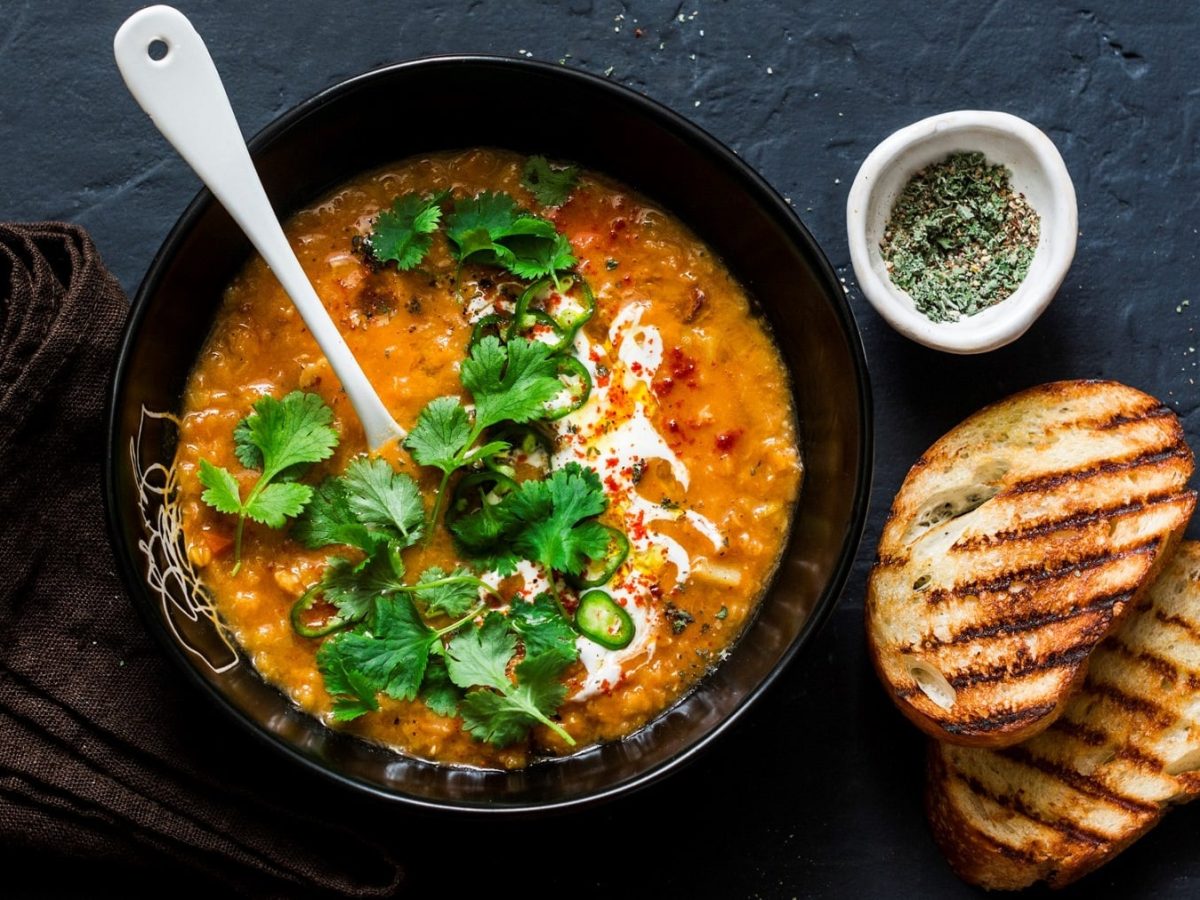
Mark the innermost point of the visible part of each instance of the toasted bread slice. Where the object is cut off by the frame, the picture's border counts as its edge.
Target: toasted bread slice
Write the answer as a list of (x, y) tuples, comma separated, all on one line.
[(1015, 545), (1126, 748)]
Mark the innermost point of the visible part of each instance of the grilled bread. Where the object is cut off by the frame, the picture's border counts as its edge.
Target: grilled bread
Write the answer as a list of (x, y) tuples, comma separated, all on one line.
[(1015, 545), (1126, 748)]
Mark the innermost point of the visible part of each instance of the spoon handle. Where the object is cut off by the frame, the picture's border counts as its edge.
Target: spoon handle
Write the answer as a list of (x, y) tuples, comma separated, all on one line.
[(167, 68)]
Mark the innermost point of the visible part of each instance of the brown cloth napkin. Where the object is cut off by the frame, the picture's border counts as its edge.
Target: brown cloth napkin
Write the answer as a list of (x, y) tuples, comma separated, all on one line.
[(105, 753)]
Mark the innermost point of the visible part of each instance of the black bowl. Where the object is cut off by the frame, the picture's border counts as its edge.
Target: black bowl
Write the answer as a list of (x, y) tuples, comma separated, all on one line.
[(348, 129)]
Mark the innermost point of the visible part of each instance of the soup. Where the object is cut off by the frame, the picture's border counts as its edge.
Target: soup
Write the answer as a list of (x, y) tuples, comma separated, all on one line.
[(596, 487)]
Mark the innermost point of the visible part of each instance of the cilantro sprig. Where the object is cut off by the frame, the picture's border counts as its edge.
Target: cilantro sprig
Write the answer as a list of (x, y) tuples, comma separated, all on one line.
[(281, 438), (550, 186), (551, 522), (510, 382), (492, 229), (403, 234)]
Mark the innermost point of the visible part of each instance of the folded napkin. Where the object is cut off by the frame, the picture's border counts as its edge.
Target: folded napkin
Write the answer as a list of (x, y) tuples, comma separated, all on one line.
[(105, 753)]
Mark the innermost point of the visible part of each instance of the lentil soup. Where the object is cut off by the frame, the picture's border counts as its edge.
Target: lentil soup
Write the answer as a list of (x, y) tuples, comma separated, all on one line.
[(688, 428)]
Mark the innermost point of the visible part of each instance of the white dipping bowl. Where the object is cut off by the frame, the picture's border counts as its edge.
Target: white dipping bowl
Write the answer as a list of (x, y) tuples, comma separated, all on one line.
[(1037, 171)]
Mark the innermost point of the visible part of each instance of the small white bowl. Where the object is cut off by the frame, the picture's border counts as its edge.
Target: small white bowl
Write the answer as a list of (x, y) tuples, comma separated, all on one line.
[(1037, 171)]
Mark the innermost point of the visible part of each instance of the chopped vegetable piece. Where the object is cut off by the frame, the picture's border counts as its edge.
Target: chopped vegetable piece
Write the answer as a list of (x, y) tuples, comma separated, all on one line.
[(601, 620), (599, 570), (576, 383)]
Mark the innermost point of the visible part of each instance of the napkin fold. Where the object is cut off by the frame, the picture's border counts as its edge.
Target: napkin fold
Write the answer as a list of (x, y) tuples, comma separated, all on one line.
[(105, 752)]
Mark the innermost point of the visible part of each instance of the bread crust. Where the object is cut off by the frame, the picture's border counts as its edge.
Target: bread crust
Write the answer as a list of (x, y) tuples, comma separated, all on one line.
[(1016, 544)]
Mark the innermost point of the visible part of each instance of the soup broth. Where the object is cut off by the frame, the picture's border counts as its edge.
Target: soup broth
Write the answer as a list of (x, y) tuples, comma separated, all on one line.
[(688, 427)]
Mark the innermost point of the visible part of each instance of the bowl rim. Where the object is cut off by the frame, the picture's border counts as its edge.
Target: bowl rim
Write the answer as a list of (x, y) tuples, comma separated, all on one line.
[(750, 180), (967, 335)]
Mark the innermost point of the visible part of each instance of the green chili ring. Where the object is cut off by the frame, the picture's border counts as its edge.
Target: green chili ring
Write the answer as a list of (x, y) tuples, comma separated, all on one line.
[(614, 554), (305, 604), (495, 323), (569, 368), (524, 324), (573, 324), (601, 620)]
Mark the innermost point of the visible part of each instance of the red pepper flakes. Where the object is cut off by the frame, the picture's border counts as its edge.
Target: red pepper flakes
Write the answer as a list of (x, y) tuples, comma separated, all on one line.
[(726, 439), (611, 462), (663, 386), (635, 367), (611, 484)]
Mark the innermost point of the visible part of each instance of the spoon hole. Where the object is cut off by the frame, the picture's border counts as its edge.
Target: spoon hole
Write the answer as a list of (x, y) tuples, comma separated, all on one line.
[(158, 49)]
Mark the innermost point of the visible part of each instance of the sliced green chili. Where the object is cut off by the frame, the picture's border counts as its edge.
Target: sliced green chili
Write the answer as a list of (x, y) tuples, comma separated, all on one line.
[(302, 624), (495, 324), (601, 620), (599, 571), (577, 387)]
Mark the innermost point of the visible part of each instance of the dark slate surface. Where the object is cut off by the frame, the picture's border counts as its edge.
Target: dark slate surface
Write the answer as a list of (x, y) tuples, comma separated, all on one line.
[(817, 791)]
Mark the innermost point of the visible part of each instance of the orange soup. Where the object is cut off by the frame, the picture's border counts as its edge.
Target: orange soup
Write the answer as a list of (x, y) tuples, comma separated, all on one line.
[(587, 561)]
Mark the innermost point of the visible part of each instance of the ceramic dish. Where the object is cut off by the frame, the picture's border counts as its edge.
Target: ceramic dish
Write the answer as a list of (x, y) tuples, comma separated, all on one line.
[(1038, 172), (340, 133)]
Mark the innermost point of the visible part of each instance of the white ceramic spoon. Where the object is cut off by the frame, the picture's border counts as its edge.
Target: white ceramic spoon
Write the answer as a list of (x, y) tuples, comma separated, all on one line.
[(168, 70)]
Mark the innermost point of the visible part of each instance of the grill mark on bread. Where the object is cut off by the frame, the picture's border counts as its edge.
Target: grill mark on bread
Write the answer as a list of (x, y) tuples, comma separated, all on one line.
[(1142, 706), (1083, 517), (1036, 575), (1006, 625), (996, 722), (1027, 666), (1179, 622), (1176, 449), (1161, 667), (1014, 803), (1152, 410), (1074, 780), (1097, 737)]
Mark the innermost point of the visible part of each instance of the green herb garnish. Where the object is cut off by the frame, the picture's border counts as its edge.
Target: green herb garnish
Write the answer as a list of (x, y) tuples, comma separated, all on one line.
[(280, 438), (959, 239), (500, 710), (509, 383), (404, 233), (550, 186), (491, 229)]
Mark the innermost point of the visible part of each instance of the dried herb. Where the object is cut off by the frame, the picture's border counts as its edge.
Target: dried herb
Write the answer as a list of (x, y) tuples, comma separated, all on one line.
[(959, 238)]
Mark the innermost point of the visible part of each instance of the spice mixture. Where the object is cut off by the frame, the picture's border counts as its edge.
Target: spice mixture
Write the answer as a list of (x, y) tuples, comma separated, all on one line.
[(959, 239)]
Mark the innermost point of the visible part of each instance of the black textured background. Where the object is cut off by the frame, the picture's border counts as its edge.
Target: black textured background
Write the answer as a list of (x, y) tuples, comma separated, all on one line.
[(817, 791)]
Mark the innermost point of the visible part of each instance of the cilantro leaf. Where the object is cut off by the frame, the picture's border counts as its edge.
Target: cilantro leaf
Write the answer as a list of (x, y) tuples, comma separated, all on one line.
[(275, 503), (440, 434), (480, 656), (542, 627), (244, 447), (510, 382), (403, 234), (438, 692), (546, 521), (535, 257), (353, 587), (280, 437), (454, 598), (389, 657), (223, 493), (491, 229), (550, 186), (291, 431), (505, 717), (382, 498), (553, 512), (353, 693), (328, 519)]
